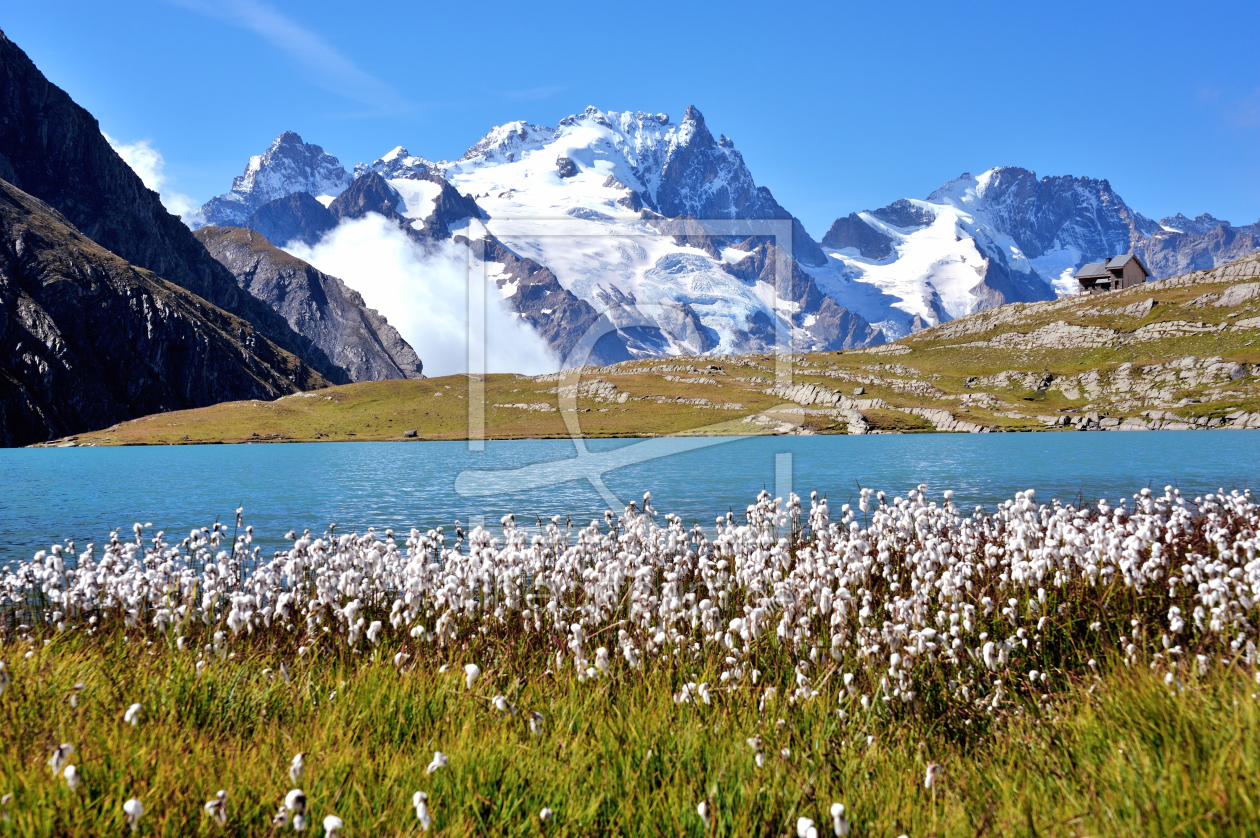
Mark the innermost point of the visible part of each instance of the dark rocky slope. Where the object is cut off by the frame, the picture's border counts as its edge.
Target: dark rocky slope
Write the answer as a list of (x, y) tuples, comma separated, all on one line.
[(322, 307), (88, 340), (53, 149), (296, 217)]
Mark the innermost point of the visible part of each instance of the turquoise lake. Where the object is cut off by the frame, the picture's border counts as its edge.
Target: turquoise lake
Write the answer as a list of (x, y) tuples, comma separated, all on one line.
[(82, 493)]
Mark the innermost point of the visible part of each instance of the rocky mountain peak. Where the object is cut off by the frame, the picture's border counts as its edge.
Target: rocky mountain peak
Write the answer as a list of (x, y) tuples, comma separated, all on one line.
[(53, 149), (288, 165), (1191, 226), (506, 143), (290, 138), (1047, 214), (370, 193), (399, 163)]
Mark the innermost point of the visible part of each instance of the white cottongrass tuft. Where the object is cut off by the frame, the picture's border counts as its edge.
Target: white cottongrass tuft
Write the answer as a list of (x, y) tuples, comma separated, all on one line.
[(217, 808), (132, 716), (420, 801), (296, 767), (72, 777), (439, 761), (546, 814), (471, 673), (133, 809), (333, 826), (838, 821), (702, 809), (805, 828), (295, 806), (60, 755), (932, 775)]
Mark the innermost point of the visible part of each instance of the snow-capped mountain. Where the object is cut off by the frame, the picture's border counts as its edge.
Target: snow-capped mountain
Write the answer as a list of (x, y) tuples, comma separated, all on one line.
[(575, 223), (581, 226), (286, 167), (587, 198), (675, 170), (977, 241), (1002, 236), (424, 196)]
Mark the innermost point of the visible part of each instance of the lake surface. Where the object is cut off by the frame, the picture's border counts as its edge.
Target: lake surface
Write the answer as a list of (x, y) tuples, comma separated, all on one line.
[(51, 494)]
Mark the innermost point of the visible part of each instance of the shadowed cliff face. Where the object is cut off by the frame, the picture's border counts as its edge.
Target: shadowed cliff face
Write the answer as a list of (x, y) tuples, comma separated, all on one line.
[(53, 150), (297, 217), (87, 340), (322, 307)]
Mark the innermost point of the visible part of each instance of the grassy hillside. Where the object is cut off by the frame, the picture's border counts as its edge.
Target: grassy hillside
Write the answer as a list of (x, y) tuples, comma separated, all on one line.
[(1127, 759), (1173, 354)]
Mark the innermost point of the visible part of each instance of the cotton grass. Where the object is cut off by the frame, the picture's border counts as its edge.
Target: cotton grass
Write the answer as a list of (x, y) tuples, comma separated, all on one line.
[(903, 608)]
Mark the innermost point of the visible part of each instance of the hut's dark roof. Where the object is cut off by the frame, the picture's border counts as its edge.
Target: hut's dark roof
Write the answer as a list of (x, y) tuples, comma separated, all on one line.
[(1116, 263), (1094, 270)]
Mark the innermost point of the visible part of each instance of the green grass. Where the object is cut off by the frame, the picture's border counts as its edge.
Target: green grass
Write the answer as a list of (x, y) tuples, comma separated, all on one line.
[(1120, 756), (438, 408)]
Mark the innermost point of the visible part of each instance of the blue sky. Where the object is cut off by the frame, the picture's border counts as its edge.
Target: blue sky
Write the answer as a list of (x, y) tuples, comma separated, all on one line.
[(836, 107)]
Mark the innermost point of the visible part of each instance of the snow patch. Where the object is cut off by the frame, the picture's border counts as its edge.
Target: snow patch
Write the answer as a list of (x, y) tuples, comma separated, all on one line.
[(418, 197)]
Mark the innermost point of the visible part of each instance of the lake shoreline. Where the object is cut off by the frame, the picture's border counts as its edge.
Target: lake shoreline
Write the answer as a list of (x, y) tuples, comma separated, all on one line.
[(72, 442), (87, 492)]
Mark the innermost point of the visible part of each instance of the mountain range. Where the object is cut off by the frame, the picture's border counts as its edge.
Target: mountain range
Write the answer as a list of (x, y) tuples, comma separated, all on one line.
[(591, 209)]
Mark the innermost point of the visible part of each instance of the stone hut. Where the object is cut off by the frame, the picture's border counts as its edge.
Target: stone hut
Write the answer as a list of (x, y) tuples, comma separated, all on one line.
[(1116, 273)]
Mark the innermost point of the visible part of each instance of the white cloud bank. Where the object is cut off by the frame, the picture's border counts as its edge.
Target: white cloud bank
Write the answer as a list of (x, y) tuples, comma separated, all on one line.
[(146, 161), (424, 295)]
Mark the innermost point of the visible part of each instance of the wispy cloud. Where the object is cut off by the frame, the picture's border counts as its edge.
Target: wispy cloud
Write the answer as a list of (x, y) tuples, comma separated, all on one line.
[(147, 162), (1245, 113), (327, 65), (1240, 111)]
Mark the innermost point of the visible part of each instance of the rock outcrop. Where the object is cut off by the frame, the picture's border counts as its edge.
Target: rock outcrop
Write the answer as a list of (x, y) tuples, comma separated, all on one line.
[(88, 340), (53, 149), (322, 307)]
